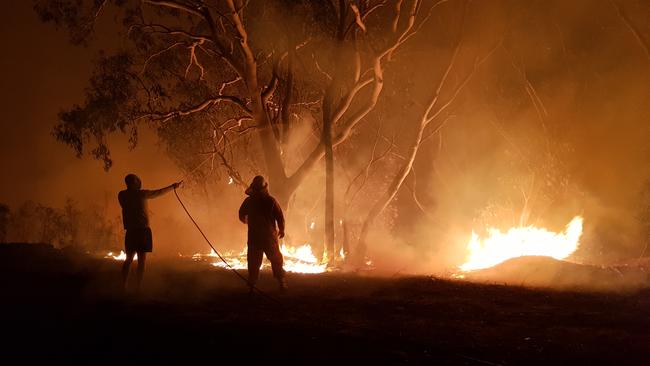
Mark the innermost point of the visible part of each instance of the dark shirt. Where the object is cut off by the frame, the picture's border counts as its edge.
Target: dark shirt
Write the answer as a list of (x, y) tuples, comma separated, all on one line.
[(134, 206), (263, 212)]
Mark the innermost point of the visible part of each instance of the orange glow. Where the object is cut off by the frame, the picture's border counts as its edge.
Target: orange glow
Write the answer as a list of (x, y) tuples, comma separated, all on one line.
[(119, 257), (299, 259), (521, 241)]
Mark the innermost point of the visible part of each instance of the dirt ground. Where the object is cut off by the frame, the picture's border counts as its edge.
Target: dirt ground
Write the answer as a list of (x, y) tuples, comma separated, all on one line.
[(61, 308)]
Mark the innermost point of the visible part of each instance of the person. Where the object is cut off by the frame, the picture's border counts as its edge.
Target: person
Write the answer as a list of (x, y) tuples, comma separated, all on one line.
[(260, 211), (135, 217)]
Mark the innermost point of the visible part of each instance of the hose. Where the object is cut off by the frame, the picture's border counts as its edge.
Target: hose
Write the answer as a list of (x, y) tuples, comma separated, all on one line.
[(233, 270)]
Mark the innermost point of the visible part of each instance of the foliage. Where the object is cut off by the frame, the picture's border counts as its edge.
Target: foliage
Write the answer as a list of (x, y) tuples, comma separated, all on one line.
[(81, 227), (643, 211), (4, 221), (195, 70)]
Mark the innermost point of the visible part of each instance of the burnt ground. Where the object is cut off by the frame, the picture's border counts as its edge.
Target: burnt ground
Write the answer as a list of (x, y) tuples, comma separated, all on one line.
[(60, 307)]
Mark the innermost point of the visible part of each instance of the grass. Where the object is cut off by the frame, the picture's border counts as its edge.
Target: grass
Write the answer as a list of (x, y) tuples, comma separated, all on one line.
[(60, 307)]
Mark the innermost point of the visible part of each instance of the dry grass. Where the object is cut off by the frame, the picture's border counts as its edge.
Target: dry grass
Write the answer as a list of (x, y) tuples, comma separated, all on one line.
[(61, 307)]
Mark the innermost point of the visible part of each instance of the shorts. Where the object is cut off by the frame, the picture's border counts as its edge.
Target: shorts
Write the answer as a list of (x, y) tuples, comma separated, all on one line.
[(138, 240)]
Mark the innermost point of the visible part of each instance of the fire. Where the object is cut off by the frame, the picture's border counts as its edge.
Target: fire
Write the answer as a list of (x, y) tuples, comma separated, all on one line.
[(119, 257), (521, 241), (296, 259), (299, 259)]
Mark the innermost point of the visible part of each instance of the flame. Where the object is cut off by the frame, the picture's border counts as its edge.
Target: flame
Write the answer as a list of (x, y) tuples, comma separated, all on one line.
[(296, 259), (521, 241), (119, 257), (301, 260)]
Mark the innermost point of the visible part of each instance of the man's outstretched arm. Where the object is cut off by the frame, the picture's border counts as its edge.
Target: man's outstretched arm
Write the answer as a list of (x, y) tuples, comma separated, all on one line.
[(159, 192)]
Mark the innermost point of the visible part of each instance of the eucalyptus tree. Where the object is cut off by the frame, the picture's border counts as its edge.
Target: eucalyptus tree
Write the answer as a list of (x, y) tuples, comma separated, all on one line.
[(227, 81)]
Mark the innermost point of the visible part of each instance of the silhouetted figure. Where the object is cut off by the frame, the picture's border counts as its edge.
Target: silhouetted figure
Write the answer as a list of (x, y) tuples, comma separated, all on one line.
[(135, 217), (261, 212)]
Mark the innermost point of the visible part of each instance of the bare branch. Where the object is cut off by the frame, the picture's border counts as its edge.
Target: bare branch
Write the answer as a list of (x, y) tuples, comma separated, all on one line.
[(175, 5), (414, 194), (462, 85), (327, 75), (243, 41), (194, 60), (410, 21), (364, 173), (345, 103), (151, 57), (364, 16), (275, 78), (542, 113), (226, 84), (162, 29), (357, 17), (348, 124), (398, 11), (635, 31), (203, 106), (439, 127), (100, 8), (423, 22)]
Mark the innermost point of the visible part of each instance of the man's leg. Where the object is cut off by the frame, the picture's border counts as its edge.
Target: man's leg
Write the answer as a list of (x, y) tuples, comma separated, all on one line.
[(254, 257), (142, 259), (126, 266), (275, 257)]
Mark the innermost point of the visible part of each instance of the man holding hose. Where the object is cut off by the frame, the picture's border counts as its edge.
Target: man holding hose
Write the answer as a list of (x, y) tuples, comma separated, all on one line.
[(135, 217)]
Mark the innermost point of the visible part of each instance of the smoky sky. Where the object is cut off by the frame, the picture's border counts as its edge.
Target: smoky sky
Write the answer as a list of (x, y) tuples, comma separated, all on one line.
[(41, 74)]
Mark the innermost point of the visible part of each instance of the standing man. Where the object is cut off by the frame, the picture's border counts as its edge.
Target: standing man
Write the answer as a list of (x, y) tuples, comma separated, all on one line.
[(261, 212), (135, 217)]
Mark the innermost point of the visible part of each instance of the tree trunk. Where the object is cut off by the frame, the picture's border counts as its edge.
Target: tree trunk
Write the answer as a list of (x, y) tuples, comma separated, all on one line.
[(345, 246), (272, 157), (331, 102), (329, 190)]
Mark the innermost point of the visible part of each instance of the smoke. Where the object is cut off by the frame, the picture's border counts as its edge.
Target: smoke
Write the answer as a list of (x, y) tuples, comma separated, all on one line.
[(552, 127)]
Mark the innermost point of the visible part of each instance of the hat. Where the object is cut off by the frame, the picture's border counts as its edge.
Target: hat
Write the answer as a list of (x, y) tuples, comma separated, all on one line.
[(257, 185)]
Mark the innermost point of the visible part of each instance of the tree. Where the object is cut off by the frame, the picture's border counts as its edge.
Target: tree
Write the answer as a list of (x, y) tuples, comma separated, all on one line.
[(51, 223), (70, 223), (336, 104), (427, 124), (213, 73), (5, 213), (23, 223)]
